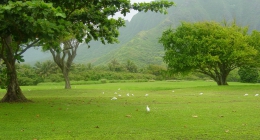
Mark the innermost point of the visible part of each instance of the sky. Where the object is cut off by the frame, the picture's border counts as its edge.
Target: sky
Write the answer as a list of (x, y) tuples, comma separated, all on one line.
[(133, 12)]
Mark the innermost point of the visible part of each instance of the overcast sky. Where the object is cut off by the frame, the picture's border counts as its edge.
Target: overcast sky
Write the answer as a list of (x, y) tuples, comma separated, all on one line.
[(133, 12)]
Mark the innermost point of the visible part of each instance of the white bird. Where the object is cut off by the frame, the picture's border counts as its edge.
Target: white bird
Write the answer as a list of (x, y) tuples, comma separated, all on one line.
[(115, 93), (146, 95), (132, 94), (119, 95), (103, 92), (147, 109), (201, 93), (114, 98), (246, 94), (127, 94), (173, 91), (256, 94)]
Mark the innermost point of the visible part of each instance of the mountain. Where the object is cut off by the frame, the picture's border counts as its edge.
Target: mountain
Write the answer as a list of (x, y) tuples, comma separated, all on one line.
[(139, 39)]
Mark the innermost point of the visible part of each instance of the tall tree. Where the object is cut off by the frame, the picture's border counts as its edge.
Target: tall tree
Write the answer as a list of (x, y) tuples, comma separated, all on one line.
[(65, 57), (209, 48), (25, 23), (48, 22)]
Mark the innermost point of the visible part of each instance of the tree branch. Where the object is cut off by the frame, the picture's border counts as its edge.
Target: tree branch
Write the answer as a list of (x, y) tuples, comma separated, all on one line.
[(29, 46)]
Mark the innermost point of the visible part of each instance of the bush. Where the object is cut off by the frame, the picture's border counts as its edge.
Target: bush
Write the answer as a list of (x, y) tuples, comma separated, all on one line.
[(103, 80), (248, 74)]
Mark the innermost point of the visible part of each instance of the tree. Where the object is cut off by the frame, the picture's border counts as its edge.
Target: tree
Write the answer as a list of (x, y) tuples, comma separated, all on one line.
[(45, 69), (114, 65), (209, 48), (130, 66), (24, 24), (65, 57)]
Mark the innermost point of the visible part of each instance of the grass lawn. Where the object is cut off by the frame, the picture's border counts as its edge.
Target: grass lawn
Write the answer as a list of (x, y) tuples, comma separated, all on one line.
[(178, 111)]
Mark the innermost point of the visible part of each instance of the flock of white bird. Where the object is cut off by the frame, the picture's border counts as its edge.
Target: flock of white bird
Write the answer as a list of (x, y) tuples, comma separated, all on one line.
[(147, 107), (128, 94), (255, 94)]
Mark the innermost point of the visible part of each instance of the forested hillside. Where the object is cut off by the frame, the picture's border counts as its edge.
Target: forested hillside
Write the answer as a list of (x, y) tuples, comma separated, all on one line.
[(139, 39)]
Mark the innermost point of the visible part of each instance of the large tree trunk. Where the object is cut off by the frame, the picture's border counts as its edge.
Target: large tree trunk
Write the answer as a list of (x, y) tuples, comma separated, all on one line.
[(14, 93), (222, 81), (221, 78)]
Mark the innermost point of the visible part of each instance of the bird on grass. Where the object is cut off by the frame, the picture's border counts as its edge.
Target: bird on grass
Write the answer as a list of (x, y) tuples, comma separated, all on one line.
[(246, 94), (114, 98), (256, 94), (147, 108), (146, 95)]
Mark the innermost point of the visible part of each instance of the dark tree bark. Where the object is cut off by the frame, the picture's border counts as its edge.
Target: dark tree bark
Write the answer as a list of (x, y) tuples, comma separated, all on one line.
[(218, 74), (14, 93), (68, 52)]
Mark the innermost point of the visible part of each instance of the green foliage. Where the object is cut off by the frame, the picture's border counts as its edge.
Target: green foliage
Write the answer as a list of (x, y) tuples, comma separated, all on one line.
[(248, 74), (26, 21), (209, 48), (44, 69), (27, 75), (2, 76), (114, 65), (233, 76), (54, 78), (130, 66)]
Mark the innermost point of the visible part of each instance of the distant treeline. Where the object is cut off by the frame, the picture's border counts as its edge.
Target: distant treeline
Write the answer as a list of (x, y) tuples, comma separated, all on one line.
[(48, 71)]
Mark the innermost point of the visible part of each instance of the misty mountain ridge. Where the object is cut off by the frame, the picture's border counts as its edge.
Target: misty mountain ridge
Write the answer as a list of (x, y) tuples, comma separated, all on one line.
[(139, 39)]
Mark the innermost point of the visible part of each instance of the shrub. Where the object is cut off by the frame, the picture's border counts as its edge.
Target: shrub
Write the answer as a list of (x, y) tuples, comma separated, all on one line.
[(248, 74), (103, 80)]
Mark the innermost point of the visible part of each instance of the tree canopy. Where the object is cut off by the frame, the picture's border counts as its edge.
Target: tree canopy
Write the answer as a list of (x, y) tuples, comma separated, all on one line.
[(23, 24), (210, 48)]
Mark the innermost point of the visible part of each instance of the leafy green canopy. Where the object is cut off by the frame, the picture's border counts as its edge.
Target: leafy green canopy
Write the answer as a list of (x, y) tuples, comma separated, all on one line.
[(52, 20), (207, 47), (29, 20), (94, 16)]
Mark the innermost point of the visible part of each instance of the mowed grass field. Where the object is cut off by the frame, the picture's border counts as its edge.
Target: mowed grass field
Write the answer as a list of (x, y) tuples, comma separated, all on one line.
[(178, 110)]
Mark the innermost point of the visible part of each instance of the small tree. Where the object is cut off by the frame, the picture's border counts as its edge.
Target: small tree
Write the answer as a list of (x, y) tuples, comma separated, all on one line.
[(130, 66), (114, 65), (209, 48)]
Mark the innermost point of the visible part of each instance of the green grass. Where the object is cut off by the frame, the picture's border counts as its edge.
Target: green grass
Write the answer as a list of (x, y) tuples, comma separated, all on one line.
[(84, 112)]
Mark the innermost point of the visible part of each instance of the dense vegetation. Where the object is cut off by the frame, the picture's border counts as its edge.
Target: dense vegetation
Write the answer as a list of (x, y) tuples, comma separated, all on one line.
[(47, 71)]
